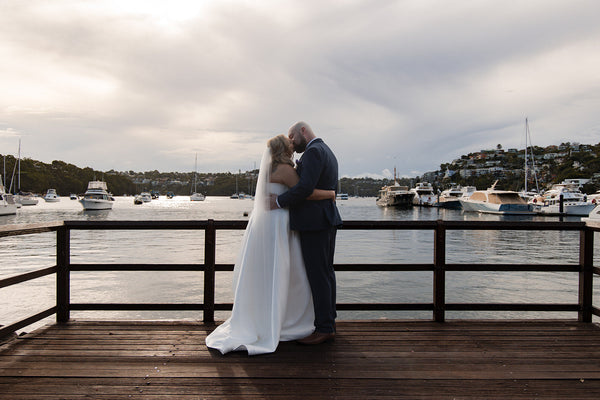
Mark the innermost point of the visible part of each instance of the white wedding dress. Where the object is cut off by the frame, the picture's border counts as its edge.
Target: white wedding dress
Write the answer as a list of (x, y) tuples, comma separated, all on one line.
[(272, 300)]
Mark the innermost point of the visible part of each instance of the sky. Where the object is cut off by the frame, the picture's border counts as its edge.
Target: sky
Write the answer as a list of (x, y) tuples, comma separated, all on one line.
[(409, 84)]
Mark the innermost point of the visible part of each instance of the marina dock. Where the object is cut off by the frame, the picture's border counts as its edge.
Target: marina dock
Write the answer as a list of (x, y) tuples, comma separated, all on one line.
[(369, 359)]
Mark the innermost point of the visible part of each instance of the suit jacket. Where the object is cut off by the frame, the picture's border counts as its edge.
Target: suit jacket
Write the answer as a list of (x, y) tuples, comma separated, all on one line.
[(317, 168)]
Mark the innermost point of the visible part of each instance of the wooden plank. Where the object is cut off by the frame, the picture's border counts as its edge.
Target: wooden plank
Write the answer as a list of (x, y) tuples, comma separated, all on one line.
[(369, 359)]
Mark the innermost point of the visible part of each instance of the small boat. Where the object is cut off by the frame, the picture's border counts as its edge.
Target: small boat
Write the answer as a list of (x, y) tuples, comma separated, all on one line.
[(23, 198), (563, 199), (449, 198), (394, 195), (73, 196), (495, 201), (138, 200), (170, 195), (423, 195), (6, 207), (51, 196), (197, 197), (341, 196), (96, 197)]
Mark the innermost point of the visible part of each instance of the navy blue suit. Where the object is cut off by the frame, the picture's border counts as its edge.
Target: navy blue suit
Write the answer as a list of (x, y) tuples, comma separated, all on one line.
[(317, 222)]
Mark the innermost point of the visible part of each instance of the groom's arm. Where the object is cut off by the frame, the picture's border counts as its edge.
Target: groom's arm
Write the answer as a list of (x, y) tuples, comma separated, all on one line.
[(312, 165)]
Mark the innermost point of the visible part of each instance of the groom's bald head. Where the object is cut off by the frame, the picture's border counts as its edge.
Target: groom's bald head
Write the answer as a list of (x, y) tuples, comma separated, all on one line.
[(300, 134)]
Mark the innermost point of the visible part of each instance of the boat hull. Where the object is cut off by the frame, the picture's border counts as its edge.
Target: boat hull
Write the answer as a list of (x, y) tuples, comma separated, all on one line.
[(8, 209), (491, 208), (401, 200), (96, 204), (577, 209), (197, 197), (450, 204)]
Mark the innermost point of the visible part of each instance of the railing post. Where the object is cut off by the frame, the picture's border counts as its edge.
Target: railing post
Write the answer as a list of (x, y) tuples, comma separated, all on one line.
[(63, 243), (439, 272), (209, 271), (586, 275)]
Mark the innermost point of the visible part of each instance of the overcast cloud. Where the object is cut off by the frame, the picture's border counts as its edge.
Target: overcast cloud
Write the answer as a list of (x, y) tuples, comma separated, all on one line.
[(144, 85)]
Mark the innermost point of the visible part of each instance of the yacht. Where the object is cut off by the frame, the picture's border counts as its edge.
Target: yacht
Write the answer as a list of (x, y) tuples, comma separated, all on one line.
[(563, 199), (96, 197), (6, 207), (51, 196), (449, 198), (394, 195), (495, 201), (423, 195)]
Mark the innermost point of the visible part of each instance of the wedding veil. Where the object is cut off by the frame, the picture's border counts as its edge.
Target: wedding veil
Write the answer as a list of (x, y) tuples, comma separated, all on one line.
[(257, 244)]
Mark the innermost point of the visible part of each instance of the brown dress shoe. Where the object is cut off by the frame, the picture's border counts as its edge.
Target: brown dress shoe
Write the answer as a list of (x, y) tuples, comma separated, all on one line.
[(317, 338)]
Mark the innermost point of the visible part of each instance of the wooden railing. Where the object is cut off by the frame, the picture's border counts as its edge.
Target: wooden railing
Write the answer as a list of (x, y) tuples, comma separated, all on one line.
[(584, 268)]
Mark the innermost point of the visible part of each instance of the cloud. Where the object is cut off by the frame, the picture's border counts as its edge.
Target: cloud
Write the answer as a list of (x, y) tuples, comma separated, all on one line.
[(412, 84)]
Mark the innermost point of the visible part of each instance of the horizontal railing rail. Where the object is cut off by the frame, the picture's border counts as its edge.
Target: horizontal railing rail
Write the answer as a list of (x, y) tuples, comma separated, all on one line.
[(438, 306)]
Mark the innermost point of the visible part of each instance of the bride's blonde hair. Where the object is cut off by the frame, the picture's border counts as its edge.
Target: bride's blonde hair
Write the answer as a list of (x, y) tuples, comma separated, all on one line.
[(280, 151)]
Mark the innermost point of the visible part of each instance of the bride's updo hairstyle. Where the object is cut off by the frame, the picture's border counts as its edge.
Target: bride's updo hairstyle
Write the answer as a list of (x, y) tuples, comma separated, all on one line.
[(280, 151)]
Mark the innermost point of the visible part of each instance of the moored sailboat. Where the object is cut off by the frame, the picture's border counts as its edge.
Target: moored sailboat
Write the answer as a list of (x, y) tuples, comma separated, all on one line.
[(196, 196)]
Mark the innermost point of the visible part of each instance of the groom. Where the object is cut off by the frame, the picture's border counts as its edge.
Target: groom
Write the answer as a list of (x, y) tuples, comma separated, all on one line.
[(317, 222)]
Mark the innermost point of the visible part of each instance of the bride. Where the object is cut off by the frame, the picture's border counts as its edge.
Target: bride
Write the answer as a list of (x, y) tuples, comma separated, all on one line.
[(272, 300)]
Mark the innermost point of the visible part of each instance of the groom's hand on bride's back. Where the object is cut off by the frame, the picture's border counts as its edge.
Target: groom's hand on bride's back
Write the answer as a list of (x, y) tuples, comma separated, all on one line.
[(273, 202)]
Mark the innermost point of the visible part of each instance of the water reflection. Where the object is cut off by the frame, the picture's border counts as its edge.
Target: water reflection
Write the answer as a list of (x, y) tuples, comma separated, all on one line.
[(30, 252)]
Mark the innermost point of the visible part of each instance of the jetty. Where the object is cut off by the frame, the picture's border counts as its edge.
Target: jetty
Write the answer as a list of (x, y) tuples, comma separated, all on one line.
[(437, 358)]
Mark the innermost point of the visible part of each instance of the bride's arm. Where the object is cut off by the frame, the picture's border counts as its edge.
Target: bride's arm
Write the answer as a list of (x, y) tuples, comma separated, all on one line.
[(287, 175)]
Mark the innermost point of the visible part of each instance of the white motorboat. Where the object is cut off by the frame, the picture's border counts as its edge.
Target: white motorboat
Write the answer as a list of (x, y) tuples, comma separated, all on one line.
[(145, 197), (195, 196), (51, 196), (341, 196), (96, 197), (73, 196), (423, 195), (563, 199), (494, 201), (6, 207), (449, 198)]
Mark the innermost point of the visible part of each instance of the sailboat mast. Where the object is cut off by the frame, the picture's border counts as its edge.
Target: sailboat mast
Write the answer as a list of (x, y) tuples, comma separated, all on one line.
[(526, 130), (533, 161), (19, 174), (195, 171)]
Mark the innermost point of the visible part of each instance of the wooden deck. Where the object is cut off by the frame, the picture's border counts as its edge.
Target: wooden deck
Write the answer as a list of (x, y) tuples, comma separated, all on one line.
[(369, 360)]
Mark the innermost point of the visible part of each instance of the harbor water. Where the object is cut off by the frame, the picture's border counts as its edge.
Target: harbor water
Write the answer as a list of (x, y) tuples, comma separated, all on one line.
[(26, 253)]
